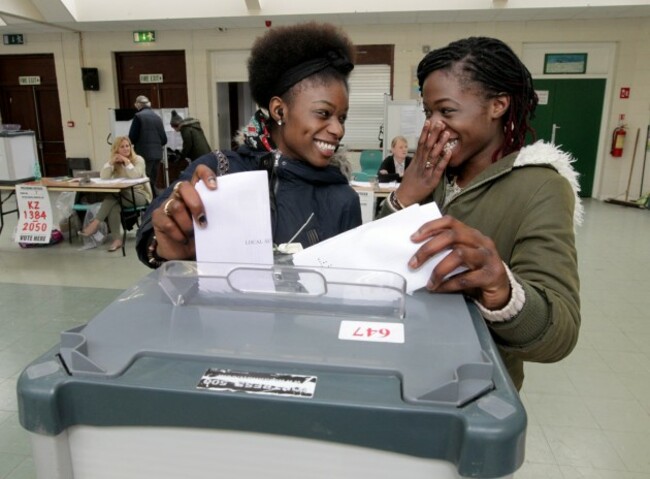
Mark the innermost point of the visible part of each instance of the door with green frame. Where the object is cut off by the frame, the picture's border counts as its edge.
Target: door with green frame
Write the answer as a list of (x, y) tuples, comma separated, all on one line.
[(569, 114)]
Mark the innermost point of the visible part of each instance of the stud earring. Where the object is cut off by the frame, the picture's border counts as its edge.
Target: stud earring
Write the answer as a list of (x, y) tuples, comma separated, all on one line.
[(279, 122)]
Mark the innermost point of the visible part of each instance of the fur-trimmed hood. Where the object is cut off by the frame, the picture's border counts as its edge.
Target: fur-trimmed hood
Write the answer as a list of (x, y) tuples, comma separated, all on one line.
[(541, 153), (192, 122)]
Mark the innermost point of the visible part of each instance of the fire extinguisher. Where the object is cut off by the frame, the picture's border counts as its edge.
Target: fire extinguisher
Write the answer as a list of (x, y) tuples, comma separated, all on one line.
[(618, 138)]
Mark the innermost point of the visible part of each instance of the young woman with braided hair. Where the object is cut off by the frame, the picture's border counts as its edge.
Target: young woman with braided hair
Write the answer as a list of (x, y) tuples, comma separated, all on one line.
[(298, 75), (510, 210)]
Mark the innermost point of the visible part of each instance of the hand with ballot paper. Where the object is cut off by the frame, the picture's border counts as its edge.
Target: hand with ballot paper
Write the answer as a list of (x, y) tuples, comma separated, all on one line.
[(286, 182)]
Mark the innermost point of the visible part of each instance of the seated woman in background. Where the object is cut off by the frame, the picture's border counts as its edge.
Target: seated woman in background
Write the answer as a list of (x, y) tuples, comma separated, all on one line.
[(123, 163), (396, 163)]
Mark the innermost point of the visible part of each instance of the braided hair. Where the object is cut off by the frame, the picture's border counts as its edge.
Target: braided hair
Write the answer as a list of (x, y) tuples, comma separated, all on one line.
[(284, 56), (493, 65)]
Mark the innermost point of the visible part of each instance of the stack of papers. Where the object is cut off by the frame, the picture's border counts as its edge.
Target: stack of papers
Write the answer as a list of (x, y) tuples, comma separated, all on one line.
[(383, 244)]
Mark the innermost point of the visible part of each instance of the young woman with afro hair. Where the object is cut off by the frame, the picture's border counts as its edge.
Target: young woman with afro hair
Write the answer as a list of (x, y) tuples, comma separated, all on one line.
[(298, 76)]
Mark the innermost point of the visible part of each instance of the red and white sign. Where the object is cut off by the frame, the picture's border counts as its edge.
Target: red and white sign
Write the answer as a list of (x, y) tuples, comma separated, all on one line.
[(372, 331), (35, 223), (625, 92)]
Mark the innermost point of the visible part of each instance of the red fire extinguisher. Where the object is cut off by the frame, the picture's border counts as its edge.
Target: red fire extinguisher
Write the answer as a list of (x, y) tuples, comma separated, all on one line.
[(618, 138)]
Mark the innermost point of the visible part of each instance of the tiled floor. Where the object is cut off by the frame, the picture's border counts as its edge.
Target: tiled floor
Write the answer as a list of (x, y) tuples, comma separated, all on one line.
[(589, 416)]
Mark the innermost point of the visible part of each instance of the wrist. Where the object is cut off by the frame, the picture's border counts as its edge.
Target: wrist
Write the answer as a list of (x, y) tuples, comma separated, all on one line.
[(513, 307), (153, 258), (403, 199), (394, 203)]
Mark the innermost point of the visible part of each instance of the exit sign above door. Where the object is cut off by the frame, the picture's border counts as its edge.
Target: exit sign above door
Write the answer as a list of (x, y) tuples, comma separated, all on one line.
[(13, 39), (144, 37)]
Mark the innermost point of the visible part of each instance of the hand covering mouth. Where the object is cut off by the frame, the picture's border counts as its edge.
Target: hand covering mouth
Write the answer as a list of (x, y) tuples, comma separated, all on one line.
[(450, 145)]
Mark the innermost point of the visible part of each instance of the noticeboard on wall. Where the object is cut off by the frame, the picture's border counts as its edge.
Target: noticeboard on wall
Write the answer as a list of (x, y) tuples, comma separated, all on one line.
[(120, 121), (402, 117)]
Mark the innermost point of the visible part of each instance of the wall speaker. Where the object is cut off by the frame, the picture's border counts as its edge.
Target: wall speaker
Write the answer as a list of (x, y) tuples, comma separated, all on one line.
[(90, 79)]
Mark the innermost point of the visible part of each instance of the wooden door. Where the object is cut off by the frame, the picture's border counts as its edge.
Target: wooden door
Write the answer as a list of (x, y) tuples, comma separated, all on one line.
[(35, 107), (170, 93)]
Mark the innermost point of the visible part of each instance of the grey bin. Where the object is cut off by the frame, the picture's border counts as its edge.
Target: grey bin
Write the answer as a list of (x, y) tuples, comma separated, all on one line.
[(217, 370)]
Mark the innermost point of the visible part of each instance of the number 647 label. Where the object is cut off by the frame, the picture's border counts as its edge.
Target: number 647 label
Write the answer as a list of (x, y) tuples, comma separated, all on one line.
[(372, 331)]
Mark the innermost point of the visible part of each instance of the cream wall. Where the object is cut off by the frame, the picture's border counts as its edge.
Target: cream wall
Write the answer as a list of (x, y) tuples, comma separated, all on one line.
[(89, 110)]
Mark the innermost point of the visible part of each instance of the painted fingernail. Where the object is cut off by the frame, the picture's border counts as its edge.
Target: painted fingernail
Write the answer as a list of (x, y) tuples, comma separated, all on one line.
[(212, 181), (202, 220)]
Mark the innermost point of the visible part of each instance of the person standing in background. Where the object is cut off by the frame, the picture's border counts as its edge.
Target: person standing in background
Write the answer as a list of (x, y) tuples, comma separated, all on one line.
[(147, 134), (194, 142)]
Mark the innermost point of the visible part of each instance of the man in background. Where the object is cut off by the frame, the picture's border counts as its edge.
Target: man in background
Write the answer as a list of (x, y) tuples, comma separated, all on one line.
[(147, 134)]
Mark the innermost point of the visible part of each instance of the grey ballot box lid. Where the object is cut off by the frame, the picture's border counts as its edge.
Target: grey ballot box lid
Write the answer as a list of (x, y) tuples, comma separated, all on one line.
[(187, 325)]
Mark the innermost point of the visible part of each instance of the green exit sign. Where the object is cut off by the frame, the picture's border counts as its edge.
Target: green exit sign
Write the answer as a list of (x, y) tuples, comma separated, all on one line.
[(13, 39), (144, 37)]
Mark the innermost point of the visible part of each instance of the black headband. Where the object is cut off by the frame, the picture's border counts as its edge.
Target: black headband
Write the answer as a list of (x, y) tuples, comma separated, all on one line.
[(335, 59)]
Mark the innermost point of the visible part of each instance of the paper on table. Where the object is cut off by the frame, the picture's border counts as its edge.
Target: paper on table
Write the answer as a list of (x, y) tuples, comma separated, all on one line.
[(239, 220), (111, 181), (383, 244)]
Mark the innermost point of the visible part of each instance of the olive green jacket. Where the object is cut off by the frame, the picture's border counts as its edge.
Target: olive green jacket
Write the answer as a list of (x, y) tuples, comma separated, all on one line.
[(528, 204)]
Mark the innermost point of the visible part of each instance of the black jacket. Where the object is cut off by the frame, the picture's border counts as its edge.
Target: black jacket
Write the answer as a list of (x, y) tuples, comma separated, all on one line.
[(147, 133), (297, 190)]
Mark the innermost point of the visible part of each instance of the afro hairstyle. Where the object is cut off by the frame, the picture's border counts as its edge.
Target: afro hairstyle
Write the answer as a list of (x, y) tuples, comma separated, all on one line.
[(282, 48)]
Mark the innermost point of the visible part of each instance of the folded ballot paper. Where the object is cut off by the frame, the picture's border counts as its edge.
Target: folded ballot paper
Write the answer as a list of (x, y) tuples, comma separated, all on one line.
[(239, 220), (383, 244)]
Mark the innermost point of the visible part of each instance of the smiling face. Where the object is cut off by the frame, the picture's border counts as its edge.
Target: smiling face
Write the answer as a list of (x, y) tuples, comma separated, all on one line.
[(473, 121), (313, 121), (125, 148)]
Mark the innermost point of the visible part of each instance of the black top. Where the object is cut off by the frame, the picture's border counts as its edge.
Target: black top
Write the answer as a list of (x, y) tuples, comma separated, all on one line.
[(389, 165), (298, 188)]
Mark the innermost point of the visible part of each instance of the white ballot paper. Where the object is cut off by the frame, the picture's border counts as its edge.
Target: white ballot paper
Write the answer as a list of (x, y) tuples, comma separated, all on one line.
[(239, 220), (383, 244)]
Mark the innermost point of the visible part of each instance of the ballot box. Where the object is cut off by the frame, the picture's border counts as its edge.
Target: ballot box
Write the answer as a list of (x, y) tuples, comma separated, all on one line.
[(221, 370), (18, 156)]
